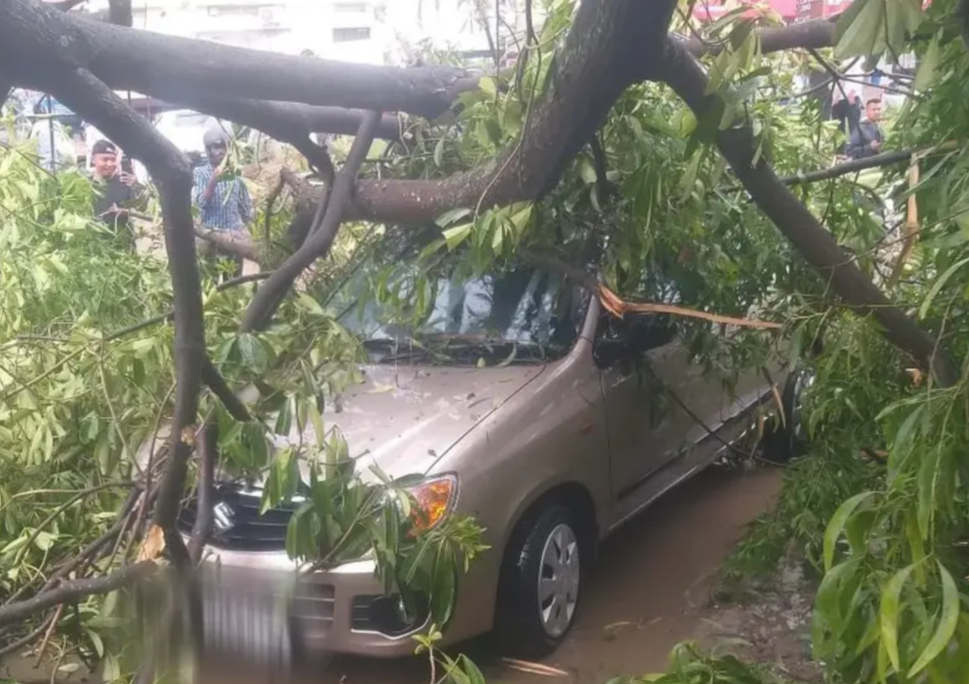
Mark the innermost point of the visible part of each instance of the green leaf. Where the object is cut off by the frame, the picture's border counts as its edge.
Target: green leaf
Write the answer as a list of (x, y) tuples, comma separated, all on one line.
[(888, 615), (443, 587), (928, 65), (939, 284), (520, 217), (455, 236), (837, 525), (89, 428), (253, 352), (255, 439), (587, 171), (471, 670), (284, 419), (827, 602), (948, 622), (96, 642), (111, 670), (309, 304), (488, 86), (316, 420), (858, 28)]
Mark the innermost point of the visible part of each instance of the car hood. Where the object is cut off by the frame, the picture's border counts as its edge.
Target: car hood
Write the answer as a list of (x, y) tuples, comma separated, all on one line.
[(404, 419)]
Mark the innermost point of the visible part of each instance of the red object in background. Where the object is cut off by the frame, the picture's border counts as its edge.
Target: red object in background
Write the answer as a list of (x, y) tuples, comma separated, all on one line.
[(711, 10)]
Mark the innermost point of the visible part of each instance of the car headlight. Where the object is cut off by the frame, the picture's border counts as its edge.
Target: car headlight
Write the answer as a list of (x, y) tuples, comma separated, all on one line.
[(432, 500)]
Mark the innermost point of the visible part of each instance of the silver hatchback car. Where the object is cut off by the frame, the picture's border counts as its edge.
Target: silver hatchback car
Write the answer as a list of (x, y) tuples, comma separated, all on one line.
[(592, 421)]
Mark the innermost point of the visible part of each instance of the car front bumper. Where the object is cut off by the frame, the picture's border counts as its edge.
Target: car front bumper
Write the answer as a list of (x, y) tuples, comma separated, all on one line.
[(331, 611)]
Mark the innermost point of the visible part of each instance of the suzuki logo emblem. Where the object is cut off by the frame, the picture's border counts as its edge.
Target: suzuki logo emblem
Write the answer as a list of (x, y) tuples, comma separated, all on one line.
[(223, 517)]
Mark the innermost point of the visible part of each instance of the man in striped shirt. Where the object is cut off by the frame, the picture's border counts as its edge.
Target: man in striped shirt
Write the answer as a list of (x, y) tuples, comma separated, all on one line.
[(222, 198)]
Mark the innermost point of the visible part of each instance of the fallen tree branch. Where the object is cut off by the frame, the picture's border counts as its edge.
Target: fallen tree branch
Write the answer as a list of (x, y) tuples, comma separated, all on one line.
[(815, 33), (819, 248), (619, 307), (93, 100), (126, 59), (220, 388), (318, 243), (229, 242), (853, 166), (75, 590)]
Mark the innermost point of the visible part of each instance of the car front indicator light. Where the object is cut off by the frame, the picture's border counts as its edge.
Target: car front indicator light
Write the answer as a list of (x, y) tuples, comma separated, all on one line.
[(432, 501)]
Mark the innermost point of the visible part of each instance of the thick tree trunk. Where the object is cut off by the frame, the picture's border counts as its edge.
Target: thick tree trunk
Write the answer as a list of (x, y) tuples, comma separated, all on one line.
[(171, 66), (796, 222)]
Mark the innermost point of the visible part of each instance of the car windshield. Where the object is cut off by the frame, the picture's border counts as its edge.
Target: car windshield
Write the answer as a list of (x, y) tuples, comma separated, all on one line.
[(518, 315)]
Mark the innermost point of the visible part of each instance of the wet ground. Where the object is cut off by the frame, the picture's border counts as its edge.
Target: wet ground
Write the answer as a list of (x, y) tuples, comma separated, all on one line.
[(650, 591)]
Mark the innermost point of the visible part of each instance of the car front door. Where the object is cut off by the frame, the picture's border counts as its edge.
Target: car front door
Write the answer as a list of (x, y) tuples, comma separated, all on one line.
[(657, 406)]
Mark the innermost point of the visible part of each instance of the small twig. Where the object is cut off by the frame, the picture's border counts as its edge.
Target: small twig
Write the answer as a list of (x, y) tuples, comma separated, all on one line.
[(49, 634), (23, 641)]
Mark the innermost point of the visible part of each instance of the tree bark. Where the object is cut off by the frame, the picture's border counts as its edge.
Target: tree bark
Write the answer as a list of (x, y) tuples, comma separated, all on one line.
[(816, 33), (170, 67), (77, 589), (685, 76)]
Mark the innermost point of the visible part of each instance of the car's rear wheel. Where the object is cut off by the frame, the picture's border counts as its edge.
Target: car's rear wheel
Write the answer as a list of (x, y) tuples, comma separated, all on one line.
[(541, 582)]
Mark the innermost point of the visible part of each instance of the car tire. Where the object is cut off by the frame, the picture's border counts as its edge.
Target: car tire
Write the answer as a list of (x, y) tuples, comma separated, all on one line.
[(547, 551), (788, 440)]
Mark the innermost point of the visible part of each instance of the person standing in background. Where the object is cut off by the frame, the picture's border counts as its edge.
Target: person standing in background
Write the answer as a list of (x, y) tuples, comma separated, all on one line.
[(220, 194), (866, 141), (116, 190)]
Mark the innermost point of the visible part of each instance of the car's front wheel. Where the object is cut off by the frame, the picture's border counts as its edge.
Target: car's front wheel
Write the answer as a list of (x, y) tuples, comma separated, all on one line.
[(541, 582), (789, 440)]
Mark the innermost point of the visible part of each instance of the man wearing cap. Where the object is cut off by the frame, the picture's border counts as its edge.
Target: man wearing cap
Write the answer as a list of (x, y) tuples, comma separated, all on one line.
[(115, 190), (220, 195)]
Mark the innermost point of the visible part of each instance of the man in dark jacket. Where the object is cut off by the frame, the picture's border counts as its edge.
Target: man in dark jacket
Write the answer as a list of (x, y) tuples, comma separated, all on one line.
[(115, 189), (866, 141)]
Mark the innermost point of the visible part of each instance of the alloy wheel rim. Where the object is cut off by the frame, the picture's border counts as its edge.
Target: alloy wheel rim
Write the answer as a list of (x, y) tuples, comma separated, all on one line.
[(558, 580)]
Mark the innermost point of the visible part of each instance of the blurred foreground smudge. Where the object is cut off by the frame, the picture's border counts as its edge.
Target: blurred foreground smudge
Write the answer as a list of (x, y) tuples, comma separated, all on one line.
[(227, 626)]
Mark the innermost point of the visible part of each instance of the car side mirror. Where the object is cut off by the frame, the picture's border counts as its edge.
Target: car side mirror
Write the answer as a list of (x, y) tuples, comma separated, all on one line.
[(636, 334), (648, 331)]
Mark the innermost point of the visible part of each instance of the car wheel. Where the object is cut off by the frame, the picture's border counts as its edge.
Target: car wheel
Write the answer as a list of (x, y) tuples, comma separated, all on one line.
[(789, 440), (540, 583)]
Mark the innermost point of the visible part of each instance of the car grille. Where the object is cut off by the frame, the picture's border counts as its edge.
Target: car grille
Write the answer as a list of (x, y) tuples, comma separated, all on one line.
[(238, 526)]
